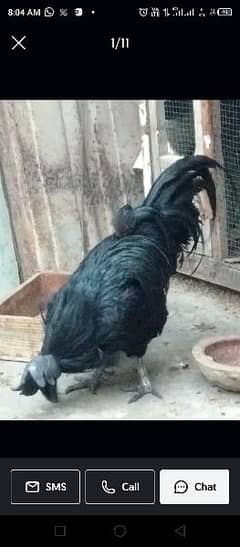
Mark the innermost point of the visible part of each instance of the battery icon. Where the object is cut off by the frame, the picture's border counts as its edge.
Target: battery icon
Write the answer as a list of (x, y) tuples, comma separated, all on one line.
[(224, 11)]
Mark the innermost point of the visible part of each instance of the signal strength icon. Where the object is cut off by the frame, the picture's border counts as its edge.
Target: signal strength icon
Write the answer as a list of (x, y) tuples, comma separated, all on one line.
[(189, 13)]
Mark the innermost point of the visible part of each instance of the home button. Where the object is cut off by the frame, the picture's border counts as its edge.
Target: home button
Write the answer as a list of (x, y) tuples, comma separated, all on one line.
[(120, 531)]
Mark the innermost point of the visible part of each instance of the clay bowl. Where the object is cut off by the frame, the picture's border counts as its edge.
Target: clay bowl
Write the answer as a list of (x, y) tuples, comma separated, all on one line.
[(219, 361)]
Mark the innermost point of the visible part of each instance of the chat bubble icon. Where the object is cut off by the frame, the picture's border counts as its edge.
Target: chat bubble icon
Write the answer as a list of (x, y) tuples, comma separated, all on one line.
[(180, 487)]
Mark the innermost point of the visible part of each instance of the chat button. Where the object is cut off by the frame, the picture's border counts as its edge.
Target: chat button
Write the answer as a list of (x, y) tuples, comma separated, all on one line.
[(194, 486)]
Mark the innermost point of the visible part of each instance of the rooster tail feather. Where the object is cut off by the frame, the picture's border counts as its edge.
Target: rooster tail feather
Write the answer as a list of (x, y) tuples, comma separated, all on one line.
[(169, 203), (190, 175)]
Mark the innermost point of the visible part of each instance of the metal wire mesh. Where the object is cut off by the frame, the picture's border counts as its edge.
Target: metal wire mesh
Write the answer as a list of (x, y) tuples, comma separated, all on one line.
[(179, 120), (230, 145)]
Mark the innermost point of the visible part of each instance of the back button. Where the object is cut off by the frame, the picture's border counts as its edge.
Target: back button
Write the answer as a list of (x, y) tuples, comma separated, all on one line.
[(181, 531)]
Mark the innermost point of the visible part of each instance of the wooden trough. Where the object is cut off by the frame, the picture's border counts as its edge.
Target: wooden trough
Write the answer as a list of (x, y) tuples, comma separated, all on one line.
[(21, 328)]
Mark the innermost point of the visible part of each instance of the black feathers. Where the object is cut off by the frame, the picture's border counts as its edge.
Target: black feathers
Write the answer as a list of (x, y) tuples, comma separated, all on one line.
[(186, 175), (169, 207), (125, 221)]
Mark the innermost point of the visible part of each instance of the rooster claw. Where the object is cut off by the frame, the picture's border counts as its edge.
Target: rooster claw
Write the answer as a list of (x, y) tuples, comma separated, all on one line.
[(83, 384), (91, 383), (140, 391)]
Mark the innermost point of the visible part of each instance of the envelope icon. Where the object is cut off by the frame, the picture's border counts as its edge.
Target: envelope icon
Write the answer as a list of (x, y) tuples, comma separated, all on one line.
[(32, 487)]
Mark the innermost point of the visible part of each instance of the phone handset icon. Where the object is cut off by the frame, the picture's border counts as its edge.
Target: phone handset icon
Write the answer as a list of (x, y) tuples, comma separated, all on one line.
[(106, 488)]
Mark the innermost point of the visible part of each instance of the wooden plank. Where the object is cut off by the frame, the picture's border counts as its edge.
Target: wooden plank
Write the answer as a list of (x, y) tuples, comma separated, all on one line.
[(51, 281), (21, 327), (160, 157), (22, 300), (163, 144), (142, 164), (154, 135), (17, 191), (219, 231), (25, 299), (233, 260), (213, 270), (9, 274), (208, 142), (203, 140), (20, 337)]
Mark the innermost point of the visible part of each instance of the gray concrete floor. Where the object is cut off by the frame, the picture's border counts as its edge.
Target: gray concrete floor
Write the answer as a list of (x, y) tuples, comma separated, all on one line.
[(196, 310)]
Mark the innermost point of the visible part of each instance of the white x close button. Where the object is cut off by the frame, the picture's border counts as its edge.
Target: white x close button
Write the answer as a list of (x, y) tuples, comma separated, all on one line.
[(194, 486), (18, 42)]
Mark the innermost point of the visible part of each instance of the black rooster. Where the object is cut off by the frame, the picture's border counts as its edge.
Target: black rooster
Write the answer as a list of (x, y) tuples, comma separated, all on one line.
[(116, 299)]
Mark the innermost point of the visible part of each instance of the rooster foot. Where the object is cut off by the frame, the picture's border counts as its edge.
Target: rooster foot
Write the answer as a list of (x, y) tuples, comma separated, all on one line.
[(140, 391), (86, 383), (91, 383), (145, 386)]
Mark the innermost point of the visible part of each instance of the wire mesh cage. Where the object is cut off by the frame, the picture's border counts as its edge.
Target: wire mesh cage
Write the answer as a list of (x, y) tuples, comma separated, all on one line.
[(179, 126), (229, 136)]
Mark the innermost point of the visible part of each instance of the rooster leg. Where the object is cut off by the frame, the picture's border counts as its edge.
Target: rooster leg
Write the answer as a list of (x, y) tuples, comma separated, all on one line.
[(101, 373), (145, 385), (91, 383)]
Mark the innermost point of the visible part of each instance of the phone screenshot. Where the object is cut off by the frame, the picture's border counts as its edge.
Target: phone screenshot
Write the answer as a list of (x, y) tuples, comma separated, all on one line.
[(119, 273)]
